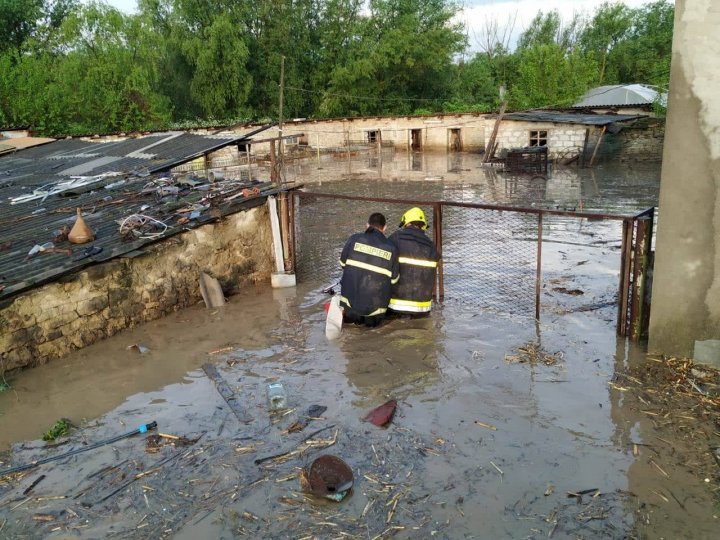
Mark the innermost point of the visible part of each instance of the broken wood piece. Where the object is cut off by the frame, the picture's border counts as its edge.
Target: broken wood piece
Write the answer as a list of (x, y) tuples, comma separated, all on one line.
[(483, 424), (227, 394)]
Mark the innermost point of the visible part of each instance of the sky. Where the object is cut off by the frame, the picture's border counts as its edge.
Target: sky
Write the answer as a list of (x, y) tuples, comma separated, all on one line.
[(477, 12)]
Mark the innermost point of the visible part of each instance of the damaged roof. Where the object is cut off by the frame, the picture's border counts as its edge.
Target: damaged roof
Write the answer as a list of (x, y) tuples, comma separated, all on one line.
[(112, 183), (570, 118)]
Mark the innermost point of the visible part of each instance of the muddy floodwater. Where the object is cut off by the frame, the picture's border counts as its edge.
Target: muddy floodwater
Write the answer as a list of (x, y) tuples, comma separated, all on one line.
[(505, 427)]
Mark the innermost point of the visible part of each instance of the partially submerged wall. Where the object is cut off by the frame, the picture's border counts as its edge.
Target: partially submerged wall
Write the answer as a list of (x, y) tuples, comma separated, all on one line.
[(641, 141), (563, 140), (51, 321)]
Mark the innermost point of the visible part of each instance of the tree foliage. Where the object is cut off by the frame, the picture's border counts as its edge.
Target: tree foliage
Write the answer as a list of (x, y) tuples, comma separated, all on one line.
[(71, 67)]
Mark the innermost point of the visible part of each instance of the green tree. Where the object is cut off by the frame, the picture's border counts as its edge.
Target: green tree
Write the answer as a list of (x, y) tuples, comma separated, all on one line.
[(549, 76), (221, 83), (401, 59), (610, 25)]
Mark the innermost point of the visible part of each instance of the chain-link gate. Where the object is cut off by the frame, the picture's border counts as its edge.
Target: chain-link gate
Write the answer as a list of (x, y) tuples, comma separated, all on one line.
[(505, 259)]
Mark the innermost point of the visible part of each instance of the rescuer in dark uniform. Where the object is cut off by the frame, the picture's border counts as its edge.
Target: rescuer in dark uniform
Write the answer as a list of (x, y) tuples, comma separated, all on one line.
[(418, 258), (370, 267)]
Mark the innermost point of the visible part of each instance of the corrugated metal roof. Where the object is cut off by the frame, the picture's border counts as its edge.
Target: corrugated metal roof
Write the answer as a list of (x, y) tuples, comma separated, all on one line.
[(105, 203), (18, 143), (154, 153), (570, 118), (620, 95)]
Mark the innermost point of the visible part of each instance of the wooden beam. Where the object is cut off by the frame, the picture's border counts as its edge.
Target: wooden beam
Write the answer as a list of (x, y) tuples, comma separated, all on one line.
[(490, 148)]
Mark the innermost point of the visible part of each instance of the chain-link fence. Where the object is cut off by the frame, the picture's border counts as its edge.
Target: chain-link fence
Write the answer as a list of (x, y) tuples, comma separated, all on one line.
[(505, 259), (323, 225)]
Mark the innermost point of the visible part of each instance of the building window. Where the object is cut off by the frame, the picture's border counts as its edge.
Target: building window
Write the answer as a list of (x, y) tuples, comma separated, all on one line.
[(373, 136), (538, 138)]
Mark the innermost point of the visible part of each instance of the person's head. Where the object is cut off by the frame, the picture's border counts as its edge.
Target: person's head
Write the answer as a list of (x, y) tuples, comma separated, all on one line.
[(414, 217), (377, 221)]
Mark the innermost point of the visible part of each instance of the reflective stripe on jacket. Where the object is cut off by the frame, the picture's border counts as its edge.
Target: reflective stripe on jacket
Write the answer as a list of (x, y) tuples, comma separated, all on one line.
[(370, 267), (418, 260)]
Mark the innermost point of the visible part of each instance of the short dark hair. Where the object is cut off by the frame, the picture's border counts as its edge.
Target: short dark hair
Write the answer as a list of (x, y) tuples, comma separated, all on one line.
[(377, 220)]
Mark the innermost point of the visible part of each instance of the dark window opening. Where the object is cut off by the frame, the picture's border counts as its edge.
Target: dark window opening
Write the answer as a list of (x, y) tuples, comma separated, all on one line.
[(455, 139), (416, 139), (373, 136), (538, 138)]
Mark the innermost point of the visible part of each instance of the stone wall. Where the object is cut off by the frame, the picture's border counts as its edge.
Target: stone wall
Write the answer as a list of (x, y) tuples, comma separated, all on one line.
[(563, 140), (435, 131), (641, 141), (52, 320)]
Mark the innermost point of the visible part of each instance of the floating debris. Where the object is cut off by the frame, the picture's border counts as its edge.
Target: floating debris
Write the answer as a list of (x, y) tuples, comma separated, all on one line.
[(61, 428), (382, 415), (532, 353)]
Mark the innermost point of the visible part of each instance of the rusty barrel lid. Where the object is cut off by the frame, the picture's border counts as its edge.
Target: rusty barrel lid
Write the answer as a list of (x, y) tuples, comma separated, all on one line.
[(328, 475)]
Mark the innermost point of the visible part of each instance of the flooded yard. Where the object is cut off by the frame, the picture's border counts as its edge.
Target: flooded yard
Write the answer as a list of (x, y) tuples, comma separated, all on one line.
[(505, 428)]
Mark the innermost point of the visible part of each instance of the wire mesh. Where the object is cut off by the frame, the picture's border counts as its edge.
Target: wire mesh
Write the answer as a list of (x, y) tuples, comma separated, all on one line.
[(324, 225), (490, 259), (490, 256)]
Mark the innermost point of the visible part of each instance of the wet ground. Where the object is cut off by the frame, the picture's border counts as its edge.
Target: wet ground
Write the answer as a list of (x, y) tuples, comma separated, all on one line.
[(487, 442)]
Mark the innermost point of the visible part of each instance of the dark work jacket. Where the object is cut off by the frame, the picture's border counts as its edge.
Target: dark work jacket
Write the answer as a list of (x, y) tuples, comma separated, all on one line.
[(418, 259), (370, 266)]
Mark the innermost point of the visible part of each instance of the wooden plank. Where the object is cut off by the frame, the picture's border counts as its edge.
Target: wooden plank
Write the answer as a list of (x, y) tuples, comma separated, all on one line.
[(490, 149), (597, 145), (227, 394)]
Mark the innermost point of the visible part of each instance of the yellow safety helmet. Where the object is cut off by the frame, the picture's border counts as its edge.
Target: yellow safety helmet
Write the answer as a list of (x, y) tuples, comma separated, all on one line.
[(414, 214)]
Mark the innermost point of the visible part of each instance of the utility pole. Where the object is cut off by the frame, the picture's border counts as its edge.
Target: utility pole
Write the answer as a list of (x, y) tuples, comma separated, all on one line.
[(280, 116)]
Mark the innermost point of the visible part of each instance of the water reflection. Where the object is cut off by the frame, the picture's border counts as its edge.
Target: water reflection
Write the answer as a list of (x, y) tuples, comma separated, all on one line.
[(399, 359), (609, 187)]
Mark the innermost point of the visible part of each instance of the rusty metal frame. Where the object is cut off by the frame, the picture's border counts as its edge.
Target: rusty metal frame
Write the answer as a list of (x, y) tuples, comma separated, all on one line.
[(635, 249), (538, 271)]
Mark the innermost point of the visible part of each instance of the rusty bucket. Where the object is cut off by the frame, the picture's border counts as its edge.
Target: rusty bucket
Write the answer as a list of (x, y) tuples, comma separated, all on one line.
[(328, 476)]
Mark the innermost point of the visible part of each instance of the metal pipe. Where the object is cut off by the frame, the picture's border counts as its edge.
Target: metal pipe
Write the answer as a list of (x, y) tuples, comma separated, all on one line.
[(437, 232), (499, 208), (285, 229), (538, 270), (293, 234)]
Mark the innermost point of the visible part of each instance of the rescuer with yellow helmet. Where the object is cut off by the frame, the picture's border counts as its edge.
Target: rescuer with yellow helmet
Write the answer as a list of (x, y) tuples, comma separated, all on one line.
[(418, 259), (370, 268)]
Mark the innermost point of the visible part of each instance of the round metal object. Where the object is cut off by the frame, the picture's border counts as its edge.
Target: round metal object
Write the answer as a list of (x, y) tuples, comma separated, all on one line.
[(329, 475)]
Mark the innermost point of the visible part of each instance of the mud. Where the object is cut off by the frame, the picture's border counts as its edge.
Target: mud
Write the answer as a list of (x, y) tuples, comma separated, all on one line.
[(481, 446)]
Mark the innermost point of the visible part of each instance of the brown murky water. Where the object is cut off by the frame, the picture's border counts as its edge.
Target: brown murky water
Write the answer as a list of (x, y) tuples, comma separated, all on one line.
[(479, 448)]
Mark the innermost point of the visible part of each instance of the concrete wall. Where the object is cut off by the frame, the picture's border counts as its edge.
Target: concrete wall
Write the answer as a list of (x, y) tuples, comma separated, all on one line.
[(50, 321), (686, 290)]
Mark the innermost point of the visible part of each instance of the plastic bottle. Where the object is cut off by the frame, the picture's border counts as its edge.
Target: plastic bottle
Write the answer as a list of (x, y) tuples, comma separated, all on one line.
[(277, 397)]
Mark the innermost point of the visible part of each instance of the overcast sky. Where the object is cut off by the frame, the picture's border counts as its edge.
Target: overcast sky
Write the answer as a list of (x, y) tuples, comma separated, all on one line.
[(476, 12)]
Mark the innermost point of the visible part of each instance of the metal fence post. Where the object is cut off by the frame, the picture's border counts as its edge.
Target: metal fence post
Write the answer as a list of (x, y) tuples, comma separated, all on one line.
[(538, 271), (437, 232)]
